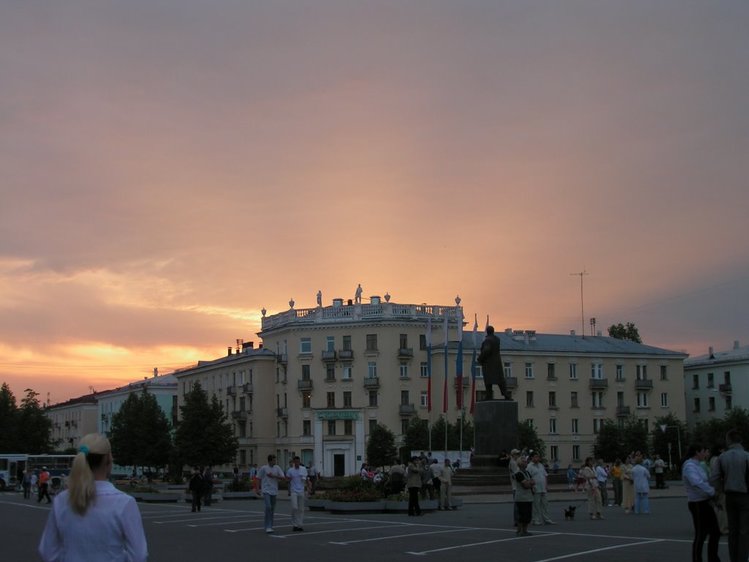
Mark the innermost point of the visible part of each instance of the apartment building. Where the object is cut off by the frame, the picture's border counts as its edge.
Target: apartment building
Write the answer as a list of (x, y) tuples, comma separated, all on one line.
[(716, 382), (324, 376), (71, 420)]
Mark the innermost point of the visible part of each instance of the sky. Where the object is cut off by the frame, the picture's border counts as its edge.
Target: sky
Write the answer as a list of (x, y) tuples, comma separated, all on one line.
[(170, 168)]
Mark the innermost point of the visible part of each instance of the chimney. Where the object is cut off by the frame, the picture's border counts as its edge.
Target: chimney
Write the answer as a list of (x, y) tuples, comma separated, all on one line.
[(572, 332), (710, 350), (735, 344), (508, 331), (155, 372), (228, 350)]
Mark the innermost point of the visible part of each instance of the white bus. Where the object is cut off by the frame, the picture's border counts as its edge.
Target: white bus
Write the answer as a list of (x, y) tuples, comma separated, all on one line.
[(13, 463), (10, 463)]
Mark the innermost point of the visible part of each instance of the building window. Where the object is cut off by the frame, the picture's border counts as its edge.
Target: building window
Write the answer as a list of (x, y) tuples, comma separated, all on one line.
[(306, 372), (424, 369), (711, 404), (551, 372), (372, 398), (696, 405), (404, 426), (423, 399), (727, 377), (372, 369), (695, 382), (619, 399), (306, 428), (575, 452), (331, 399), (573, 371), (575, 426), (573, 400), (404, 398), (306, 399), (529, 399), (552, 399), (529, 370), (597, 425), (552, 425), (305, 345), (371, 342), (620, 372), (596, 370), (403, 341), (347, 399), (729, 402), (331, 427), (422, 341), (330, 343), (664, 372), (330, 373), (664, 400), (597, 399), (642, 372), (642, 399), (346, 372), (507, 367), (348, 427), (346, 343), (710, 380), (372, 425), (554, 452), (403, 371)]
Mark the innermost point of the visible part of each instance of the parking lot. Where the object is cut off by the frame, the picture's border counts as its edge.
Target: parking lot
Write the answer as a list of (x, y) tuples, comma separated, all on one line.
[(233, 530)]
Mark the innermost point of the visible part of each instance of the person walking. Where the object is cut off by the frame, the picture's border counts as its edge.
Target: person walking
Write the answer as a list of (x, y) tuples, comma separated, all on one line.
[(26, 484), (269, 475), (298, 486), (699, 502), (446, 486), (641, 483), (659, 468), (44, 486), (196, 488), (92, 520), (602, 477), (733, 474), (413, 483)]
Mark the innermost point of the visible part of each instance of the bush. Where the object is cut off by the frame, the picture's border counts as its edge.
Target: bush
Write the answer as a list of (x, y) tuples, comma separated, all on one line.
[(354, 489)]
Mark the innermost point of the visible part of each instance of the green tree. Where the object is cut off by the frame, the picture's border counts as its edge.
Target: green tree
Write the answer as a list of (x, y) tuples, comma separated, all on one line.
[(204, 436), (36, 426), (675, 434), (609, 443), (381, 449), (635, 436), (416, 437), (625, 332), (712, 433), (8, 420), (529, 439), (141, 433)]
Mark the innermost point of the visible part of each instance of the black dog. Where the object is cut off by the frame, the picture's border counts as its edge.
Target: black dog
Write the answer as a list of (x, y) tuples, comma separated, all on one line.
[(569, 513)]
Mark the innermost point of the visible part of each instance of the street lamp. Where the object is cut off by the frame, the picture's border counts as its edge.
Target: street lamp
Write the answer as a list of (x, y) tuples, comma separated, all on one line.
[(664, 427)]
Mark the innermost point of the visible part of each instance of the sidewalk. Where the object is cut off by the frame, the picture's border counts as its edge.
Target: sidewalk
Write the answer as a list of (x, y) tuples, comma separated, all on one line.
[(558, 492)]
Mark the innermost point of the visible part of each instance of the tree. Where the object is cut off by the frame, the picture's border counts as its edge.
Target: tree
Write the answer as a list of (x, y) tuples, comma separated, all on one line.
[(8, 413), (381, 449), (204, 437), (37, 427), (609, 444), (416, 437), (635, 436), (675, 434), (141, 433), (712, 433), (529, 439), (622, 332)]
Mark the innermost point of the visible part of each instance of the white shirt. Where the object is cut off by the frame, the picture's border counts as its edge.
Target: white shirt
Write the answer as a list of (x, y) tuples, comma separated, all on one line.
[(110, 531), (640, 476), (269, 485), (539, 474), (297, 478)]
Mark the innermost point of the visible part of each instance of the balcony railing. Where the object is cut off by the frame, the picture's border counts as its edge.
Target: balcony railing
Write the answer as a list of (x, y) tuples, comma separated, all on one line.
[(643, 384), (240, 415), (372, 383), (231, 390), (407, 409), (511, 383), (347, 354), (405, 353), (725, 388), (304, 384), (282, 412), (247, 388), (282, 358), (599, 383), (328, 356), (622, 411)]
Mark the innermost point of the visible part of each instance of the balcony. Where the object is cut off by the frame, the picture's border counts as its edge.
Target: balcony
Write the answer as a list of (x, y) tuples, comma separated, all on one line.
[(599, 384), (405, 353), (622, 411), (346, 354), (511, 383), (282, 358), (282, 412), (328, 356), (407, 409), (643, 384), (247, 388), (725, 388), (372, 383), (231, 390), (304, 384), (240, 415)]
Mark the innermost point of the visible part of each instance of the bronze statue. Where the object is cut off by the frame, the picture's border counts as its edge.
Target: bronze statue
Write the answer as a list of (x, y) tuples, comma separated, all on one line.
[(490, 360)]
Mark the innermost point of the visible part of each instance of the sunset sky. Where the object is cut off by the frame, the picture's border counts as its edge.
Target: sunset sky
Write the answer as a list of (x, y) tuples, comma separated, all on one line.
[(169, 168)]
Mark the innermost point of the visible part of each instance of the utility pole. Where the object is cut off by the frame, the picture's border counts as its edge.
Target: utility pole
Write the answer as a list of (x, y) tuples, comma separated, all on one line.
[(582, 302)]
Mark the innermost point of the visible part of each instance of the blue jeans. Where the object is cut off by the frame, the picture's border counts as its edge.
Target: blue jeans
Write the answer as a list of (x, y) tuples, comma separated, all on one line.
[(642, 502), (270, 508)]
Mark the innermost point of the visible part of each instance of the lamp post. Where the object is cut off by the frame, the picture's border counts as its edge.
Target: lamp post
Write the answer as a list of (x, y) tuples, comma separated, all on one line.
[(664, 427)]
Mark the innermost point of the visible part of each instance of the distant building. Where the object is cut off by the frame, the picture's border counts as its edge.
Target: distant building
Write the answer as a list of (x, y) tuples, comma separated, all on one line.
[(716, 382), (72, 420), (325, 376)]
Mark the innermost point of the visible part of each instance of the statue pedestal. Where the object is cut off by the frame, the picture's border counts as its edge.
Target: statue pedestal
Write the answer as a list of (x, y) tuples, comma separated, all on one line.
[(496, 429)]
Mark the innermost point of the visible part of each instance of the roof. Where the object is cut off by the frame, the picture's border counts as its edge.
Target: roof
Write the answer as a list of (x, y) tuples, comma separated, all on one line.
[(737, 354)]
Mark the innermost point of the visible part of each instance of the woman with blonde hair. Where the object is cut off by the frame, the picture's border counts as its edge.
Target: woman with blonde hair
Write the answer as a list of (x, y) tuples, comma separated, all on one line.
[(92, 520)]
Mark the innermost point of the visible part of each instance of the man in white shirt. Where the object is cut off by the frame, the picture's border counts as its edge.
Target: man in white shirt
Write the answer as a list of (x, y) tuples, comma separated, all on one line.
[(540, 501), (298, 486), (269, 475)]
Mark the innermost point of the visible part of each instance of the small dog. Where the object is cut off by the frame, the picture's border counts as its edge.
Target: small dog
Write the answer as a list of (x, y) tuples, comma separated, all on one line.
[(569, 513)]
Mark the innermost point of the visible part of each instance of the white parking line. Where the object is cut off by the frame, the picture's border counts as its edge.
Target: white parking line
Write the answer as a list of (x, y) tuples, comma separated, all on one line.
[(471, 545), (402, 536), (596, 550)]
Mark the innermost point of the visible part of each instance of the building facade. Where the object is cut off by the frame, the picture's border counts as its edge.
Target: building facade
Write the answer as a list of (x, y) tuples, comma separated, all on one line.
[(72, 420), (716, 382), (325, 376)]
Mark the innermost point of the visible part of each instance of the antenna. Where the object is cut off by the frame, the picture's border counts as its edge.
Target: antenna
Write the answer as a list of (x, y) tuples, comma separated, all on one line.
[(582, 301)]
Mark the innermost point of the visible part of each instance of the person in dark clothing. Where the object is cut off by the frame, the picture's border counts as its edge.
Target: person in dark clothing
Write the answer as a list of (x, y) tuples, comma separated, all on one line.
[(196, 488), (207, 486), (490, 360)]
